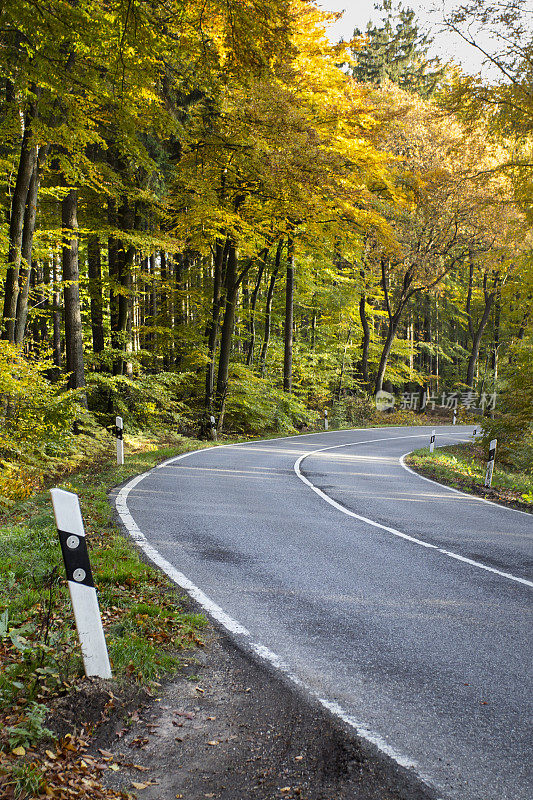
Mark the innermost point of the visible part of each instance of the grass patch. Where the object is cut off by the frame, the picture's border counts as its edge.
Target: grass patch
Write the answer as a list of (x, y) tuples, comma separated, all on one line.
[(463, 466), (148, 626)]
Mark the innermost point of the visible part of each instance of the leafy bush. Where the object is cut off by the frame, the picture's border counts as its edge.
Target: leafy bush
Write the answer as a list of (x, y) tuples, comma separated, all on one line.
[(513, 425), (34, 414), (144, 402), (354, 410), (255, 407)]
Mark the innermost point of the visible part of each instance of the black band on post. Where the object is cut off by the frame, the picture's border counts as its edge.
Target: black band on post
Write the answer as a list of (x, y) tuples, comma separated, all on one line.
[(76, 558)]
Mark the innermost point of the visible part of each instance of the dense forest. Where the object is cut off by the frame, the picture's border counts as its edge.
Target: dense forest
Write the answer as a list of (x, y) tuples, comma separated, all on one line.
[(209, 209)]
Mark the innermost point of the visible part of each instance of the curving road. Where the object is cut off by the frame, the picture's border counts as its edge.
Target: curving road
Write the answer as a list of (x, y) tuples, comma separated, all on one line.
[(402, 605)]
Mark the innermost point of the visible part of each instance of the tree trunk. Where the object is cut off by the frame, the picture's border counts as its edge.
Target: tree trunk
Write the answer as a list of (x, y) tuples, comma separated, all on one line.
[(232, 291), (26, 168), (477, 333), (178, 315), (489, 300), (221, 254), (165, 315), (253, 304), (71, 291), (56, 321), (112, 260), (30, 217), (289, 318), (124, 260), (268, 308), (365, 342), (385, 353), (94, 264), (497, 322)]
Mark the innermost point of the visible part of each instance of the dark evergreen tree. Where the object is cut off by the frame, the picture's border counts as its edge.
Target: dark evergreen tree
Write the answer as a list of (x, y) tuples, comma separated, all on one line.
[(396, 51)]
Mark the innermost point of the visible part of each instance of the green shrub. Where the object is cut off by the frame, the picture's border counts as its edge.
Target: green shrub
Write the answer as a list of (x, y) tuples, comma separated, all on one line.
[(255, 407), (146, 401), (354, 410), (512, 426), (34, 414)]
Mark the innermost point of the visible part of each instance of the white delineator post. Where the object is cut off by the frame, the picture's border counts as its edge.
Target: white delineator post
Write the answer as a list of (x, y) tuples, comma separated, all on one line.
[(119, 430), (213, 422), (432, 442), (490, 462), (455, 416), (71, 533), (325, 419)]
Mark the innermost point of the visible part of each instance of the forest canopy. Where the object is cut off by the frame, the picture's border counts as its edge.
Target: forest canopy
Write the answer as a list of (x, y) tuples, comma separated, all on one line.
[(212, 210)]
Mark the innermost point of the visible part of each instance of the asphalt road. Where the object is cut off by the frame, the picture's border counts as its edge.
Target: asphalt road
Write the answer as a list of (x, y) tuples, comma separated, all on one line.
[(425, 649)]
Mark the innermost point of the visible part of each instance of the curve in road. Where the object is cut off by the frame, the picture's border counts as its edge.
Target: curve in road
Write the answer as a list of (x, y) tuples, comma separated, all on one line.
[(426, 657)]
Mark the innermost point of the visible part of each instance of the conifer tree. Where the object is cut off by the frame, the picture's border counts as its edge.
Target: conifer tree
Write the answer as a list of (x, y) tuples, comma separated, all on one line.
[(396, 51)]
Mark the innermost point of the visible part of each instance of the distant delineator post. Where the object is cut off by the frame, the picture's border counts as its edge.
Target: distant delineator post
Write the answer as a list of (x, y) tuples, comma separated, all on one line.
[(490, 462), (120, 440)]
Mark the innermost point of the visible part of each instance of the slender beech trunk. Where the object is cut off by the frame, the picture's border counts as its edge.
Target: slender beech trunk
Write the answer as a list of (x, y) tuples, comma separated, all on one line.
[(27, 161), (497, 322), (219, 260), (289, 317), (476, 342), (124, 256), (392, 329), (476, 332), (343, 362), (94, 264), (365, 342), (253, 304), (112, 260), (164, 303), (71, 292), (268, 308), (56, 320), (39, 276), (177, 317), (232, 291), (30, 216)]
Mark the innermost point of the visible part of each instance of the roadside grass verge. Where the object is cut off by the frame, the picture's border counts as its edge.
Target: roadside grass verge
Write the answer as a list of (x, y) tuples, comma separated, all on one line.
[(149, 628), (463, 466)]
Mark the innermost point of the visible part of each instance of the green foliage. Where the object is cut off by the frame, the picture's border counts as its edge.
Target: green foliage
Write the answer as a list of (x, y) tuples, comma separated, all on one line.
[(464, 466), (31, 729), (396, 51), (145, 402), (26, 780), (34, 414), (354, 411), (255, 407), (146, 624), (512, 426)]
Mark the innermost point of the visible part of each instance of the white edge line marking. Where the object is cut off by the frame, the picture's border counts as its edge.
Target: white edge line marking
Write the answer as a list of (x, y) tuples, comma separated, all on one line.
[(394, 531), (235, 628), (458, 491)]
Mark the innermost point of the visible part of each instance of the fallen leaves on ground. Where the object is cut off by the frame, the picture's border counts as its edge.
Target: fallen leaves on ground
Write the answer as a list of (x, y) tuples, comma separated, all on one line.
[(68, 773)]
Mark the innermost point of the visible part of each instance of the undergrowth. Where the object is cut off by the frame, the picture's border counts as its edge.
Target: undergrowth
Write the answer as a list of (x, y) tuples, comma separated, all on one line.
[(148, 626), (463, 466)]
